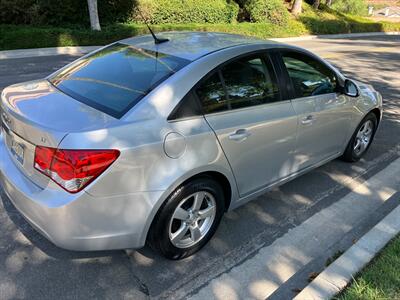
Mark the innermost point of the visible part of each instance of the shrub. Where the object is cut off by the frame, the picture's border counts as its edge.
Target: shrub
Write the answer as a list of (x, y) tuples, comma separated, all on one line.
[(41, 12), (186, 11), (61, 13), (354, 7), (273, 11)]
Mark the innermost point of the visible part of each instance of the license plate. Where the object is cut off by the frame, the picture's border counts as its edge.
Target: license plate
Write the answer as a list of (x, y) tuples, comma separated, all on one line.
[(18, 151)]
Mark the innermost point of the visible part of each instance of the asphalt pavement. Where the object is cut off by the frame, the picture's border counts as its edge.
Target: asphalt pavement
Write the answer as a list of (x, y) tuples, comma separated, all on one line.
[(31, 267)]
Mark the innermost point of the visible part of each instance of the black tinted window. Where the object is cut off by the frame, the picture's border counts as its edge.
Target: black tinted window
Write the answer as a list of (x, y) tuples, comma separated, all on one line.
[(247, 82), (212, 95), (114, 79), (188, 107), (309, 76)]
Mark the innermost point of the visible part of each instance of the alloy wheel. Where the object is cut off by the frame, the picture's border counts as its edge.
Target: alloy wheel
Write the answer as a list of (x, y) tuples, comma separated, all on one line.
[(363, 137), (192, 219)]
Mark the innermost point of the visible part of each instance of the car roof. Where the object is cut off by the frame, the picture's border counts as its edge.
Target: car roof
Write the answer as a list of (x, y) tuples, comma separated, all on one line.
[(192, 45)]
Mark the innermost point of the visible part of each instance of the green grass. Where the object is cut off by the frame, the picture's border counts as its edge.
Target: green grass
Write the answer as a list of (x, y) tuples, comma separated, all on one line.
[(310, 22), (380, 279)]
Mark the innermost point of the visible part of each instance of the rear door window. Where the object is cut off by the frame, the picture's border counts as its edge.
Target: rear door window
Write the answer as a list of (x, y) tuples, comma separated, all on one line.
[(249, 82), (115, 78), (244, 82)]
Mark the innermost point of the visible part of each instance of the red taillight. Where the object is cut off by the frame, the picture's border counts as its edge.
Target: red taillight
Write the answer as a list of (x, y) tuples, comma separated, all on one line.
[(73, 169)]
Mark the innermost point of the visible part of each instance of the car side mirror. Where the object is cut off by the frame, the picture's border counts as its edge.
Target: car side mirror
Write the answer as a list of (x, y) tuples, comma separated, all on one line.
[(351, 89)]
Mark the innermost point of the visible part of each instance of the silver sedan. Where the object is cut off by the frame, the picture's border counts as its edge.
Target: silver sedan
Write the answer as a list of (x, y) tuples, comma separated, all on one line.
[(152, 141)]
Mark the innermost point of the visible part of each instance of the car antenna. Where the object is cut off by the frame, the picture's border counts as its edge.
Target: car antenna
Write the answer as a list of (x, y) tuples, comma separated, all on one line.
[(156, 39)]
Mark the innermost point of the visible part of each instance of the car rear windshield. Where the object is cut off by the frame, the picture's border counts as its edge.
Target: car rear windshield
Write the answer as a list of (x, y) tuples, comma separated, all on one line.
[(115, 78)]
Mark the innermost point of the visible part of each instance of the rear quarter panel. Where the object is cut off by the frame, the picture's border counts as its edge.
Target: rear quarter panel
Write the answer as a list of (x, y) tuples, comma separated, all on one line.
[(143, 165)]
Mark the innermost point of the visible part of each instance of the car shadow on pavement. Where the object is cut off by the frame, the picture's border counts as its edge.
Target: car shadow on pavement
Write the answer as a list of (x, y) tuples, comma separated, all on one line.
[(40, 241), (34, 268)]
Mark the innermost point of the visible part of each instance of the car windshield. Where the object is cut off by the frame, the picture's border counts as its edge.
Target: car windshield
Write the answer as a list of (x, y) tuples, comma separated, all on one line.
[(115, 78)]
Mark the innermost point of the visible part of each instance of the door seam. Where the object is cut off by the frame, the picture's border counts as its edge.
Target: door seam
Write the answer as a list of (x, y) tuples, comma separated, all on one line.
[(223, 151)]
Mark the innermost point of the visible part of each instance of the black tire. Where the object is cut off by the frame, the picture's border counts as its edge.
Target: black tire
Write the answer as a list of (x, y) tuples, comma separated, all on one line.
[(159, 239), (350, 154)]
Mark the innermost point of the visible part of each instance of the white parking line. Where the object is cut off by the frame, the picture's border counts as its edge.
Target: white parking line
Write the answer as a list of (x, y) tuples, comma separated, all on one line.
[(260, 276)]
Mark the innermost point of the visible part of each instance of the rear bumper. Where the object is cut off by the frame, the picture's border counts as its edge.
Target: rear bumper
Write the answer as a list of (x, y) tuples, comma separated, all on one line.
[(78, 221)]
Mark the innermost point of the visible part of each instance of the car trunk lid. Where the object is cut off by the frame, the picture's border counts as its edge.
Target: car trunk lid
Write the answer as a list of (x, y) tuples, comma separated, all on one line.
[(36, 113)]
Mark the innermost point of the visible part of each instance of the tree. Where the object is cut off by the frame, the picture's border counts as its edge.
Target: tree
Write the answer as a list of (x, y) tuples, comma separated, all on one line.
[(296, 8), (94, 15), (316, 4)]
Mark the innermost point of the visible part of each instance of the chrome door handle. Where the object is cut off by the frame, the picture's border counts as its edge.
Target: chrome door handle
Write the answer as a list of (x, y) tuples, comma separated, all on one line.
[(307, 120), (239, 135)]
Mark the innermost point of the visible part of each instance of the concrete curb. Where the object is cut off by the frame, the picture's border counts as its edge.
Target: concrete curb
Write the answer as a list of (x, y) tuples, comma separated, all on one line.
[(23, 53), (79, 50), (338, 274), (334, 36)]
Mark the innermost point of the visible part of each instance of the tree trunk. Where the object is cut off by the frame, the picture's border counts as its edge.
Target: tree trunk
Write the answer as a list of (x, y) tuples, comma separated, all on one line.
[(296, 8), (316, 4), (94, 15), (328, 3)]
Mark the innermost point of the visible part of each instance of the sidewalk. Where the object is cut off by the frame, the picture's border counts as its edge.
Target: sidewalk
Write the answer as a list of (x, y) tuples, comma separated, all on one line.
[(339, 274)]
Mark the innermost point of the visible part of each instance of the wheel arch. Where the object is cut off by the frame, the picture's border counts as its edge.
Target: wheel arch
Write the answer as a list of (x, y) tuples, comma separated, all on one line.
[(221, 179), (228, 187), (377, 112)]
